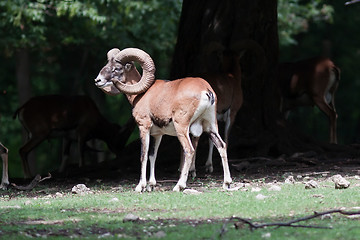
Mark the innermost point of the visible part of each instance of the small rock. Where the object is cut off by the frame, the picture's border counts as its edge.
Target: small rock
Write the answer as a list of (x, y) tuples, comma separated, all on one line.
[(80, 189), (266, 235), (275, 188), (115, 199), (58, 194), (255, 189), (260, 197), (311, 184), (290, 180), (160, 234), (233, 189), (340, 182), (105, 235), (191, 191), (131, 218)]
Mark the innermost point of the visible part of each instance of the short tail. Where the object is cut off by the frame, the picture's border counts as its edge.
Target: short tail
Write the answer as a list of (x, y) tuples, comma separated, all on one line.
[(211, 96)]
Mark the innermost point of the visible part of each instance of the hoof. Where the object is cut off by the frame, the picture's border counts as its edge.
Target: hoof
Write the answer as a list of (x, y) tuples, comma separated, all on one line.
[(150, 188), (140, 188), (4, 186), (176, 188), (227, 184), (209, 169), (193, 174)]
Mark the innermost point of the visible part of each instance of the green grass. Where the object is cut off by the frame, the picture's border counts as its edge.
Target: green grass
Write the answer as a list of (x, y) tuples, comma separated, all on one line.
[(43, 213)]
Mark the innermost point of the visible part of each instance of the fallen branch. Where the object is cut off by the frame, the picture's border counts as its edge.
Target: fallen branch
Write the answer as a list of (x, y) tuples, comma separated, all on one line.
[(292, 223), (351, 2), (33, 183)]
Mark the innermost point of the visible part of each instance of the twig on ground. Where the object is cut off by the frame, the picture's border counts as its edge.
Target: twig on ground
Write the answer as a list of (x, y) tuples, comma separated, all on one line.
[(33, 183), (45, 178), (351, 2), (223, 229), (292, 222)]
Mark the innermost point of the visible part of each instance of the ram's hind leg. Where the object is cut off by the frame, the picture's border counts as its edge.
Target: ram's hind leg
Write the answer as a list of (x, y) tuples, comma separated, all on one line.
[(189, 153), (209, 164), (192, 170), (221, 147)]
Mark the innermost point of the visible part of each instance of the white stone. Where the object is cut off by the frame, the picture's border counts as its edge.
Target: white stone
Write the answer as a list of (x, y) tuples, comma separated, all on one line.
[(340, 182), (261, 197), (311, 184), (275, 188), (191, 191)]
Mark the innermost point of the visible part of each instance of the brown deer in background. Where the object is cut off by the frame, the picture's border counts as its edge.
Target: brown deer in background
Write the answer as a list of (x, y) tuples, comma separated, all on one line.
[(74, 117), (311, 82)]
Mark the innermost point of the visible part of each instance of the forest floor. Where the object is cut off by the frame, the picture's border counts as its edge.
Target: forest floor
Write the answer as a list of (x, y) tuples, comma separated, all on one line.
[(39, 212)]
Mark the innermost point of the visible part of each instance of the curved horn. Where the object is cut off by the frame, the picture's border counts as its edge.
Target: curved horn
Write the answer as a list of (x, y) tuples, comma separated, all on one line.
[(146, 63), (111, 53)]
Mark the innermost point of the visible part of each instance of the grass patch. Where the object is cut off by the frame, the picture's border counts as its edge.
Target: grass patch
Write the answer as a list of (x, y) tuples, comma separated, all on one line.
[(54, 212)]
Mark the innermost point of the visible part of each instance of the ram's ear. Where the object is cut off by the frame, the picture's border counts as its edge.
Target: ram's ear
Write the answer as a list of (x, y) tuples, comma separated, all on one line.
[(111, 54), (128, 66)]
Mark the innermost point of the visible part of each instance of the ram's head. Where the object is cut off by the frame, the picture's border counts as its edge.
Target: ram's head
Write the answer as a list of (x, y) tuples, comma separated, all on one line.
[(120, 75)]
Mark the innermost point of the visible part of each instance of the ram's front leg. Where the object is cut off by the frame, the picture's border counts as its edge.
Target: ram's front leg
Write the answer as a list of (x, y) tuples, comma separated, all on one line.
[(152, 158), (145, 141), (221, 147)]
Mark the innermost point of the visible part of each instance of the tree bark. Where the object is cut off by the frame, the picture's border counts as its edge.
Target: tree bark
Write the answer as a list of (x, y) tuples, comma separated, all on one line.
[(23, 75), (25, 92)]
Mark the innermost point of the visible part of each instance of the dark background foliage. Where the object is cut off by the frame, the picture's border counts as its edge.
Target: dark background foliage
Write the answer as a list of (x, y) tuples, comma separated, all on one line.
[(64, 44)]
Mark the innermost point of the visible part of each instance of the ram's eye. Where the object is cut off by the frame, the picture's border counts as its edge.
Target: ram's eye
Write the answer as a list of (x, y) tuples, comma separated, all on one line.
[(116, 69)]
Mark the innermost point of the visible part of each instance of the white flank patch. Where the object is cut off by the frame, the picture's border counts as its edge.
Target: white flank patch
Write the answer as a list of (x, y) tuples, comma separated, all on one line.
[(332, 80)]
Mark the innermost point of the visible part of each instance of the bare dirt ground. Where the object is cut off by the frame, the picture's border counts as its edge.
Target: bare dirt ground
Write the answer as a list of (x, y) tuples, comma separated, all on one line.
[(247, 170)]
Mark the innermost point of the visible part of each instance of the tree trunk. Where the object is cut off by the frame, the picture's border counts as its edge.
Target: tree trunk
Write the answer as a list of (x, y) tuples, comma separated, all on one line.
[(23, 75), (259, 128), (25, 92)]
